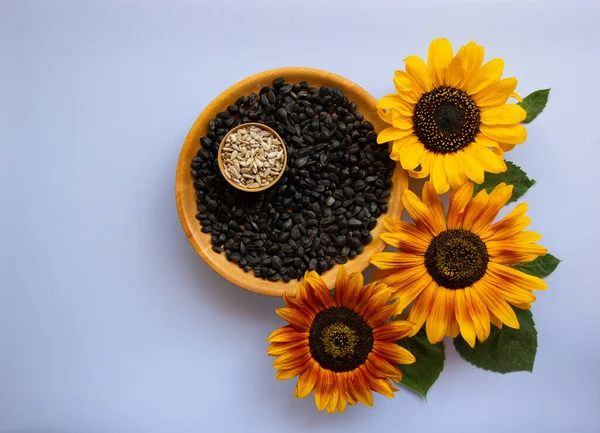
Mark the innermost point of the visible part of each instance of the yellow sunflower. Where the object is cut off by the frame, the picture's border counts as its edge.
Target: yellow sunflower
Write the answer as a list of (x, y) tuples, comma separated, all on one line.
[(455, 269), (451, 116), (340, 346)]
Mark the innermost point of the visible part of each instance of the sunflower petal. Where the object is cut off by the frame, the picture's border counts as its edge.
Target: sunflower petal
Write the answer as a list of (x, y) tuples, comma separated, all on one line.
[(289, 373), (426, 161), (476, 205), (317, 291), (420, 213), (496, 93), (342, 283), (508, 226), (406, 241), (488, 74), (417, 69), (287, 363), (411, 289), (277, 349), (512, 293), (392, 134), (503, 115), (511, 258), (506, 147), (421, 308), (386, 115), (437, 319), (379, 366), (399, 281), (489, 160), (393, 352), (396, 103), (343, 394), (307, 380), (375, 301), (452, 328), (459, 199), (467, 329), (503, 274), (495, 321), (399, 226), (357, 279), (511, 134), (350, 394), (454, 171), (378, 317), (497, 199), (456, 69), (393, 224), (335, 395), (432, 200), (286, 334), (479, 313), (402, 122), (411, 152), (382, 386), (439, 57), (471, 166), (438, 174), (393, 331), (496, 304), (498, 247), (393, 260), (379, 274), (324, 388), (408, 89), (303, 306), (525, 237), (473, 59), (395, 153), (359, 385), (350, 296)]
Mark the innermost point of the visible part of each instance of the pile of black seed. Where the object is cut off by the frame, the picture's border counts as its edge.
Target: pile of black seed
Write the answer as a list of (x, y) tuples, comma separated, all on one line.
[(336, 183)]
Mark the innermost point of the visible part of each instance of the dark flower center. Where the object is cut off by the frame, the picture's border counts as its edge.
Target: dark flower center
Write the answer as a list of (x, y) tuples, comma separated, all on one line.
[(339, 339), (446, 119), (456, 259)]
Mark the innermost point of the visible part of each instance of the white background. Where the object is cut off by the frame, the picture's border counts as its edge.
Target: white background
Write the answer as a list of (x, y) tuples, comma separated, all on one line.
[(110, 322)]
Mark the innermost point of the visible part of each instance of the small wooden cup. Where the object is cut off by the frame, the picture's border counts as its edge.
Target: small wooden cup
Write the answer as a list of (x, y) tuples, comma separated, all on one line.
[(222, 167)]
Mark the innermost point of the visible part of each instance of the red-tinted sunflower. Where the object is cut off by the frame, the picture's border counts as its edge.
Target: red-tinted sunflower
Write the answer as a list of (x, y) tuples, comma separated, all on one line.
[(340, 346)]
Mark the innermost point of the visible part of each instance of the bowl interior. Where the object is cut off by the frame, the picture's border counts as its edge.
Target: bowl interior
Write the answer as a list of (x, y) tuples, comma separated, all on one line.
[(222, 167), (186, 195)]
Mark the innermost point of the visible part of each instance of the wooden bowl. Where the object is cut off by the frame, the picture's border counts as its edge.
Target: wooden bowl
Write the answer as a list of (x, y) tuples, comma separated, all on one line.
[(220, 157), (185, 192)]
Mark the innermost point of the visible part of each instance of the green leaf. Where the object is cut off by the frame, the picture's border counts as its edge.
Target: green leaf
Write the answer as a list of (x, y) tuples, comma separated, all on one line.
[(540, 267), (534, 104), (421, 375), (512, 176), (506, 349)]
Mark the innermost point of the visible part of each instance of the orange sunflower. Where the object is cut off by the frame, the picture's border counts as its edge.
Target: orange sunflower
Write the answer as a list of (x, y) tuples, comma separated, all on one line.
[(340, 345), (450, 117), (455, 268)]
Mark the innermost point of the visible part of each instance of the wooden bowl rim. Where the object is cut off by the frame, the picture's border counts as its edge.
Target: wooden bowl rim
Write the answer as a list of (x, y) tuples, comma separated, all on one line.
[(191, 225), (222, 166)]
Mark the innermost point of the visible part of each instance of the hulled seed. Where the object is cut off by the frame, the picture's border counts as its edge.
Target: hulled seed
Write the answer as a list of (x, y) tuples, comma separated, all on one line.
[(256, 150)]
